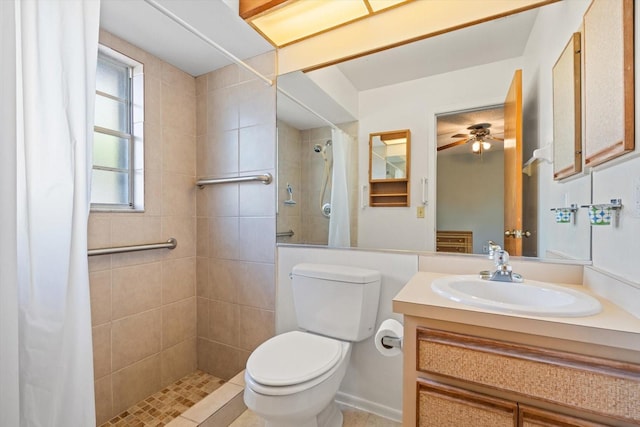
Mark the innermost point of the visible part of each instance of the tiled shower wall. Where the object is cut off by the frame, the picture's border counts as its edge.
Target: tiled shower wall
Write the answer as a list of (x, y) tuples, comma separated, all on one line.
[(143, 304), (236, 135), (302, 167)]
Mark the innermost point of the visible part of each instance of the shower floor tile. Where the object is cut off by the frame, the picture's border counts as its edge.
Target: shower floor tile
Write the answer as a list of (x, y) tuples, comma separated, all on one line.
[(165, 405)]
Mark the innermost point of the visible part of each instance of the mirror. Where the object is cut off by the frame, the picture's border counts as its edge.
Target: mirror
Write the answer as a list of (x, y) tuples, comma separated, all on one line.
[(408, 87), (388, 155)]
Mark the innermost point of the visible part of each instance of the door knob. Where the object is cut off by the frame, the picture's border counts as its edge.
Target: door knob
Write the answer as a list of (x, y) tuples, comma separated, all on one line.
[(517, 234)]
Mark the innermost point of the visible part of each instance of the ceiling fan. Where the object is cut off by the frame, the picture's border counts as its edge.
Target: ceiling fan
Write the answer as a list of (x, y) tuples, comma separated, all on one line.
[(479, 134)]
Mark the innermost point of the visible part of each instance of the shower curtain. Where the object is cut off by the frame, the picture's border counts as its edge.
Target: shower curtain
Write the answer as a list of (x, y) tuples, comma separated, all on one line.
[(49, 50), (339, 233)]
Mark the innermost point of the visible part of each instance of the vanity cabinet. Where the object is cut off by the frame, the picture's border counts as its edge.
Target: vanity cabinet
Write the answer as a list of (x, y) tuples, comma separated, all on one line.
[(454, 241), (466, 380)]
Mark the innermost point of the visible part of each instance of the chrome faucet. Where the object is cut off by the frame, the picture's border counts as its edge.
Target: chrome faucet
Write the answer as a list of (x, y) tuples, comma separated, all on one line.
[(503, 271)]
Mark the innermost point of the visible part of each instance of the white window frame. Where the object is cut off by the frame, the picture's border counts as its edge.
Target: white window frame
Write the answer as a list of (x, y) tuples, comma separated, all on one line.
[(136, 145)]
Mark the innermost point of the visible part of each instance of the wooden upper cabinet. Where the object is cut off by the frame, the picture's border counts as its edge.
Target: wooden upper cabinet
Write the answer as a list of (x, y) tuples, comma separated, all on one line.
[(251, 8)]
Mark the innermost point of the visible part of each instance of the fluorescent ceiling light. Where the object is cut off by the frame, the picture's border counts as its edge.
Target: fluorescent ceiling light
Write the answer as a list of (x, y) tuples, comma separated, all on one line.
[(295, 20)]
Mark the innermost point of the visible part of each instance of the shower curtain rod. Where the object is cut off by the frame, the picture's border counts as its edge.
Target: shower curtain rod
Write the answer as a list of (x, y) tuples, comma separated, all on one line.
[(207, 40), (306, 107), (232, 57)]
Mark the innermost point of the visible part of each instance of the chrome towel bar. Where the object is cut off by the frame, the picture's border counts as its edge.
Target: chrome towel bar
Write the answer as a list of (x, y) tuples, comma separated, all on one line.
[(169, 244), (265, 179)]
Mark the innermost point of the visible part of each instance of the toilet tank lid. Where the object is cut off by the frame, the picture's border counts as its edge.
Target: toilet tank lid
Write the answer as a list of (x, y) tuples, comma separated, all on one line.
[(340, 273)]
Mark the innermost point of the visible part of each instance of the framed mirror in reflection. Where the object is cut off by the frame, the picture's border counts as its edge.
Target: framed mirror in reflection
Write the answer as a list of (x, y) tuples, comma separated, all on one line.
[(388, 153), (407, 87)]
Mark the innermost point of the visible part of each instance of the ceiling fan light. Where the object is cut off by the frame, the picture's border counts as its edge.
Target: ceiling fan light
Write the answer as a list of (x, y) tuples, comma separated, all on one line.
[(475, 146), (485, 145)]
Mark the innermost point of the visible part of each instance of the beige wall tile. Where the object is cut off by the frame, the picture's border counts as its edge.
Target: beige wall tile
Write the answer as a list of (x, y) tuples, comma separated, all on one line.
[(229, 412), (223, 77), (134, 338), (258, 104), (218, 359), (202, 235), (178, 279), (178, 194), (178, 152), (202, 277), (178, 361), (178, 110), (256, 286), (224, 238), (101, 350), (202, 85), (184, 230), (258, 239), (136, 289), (100, 287), (183, 82), (134, 229), (222, 110), (203, 318), (256, 326), (135, 382), (201, 113), (99, 231), (222, 200), (152, 193), (223, 279), (257, 148), (221, 153), (104, 401), (258, 199), (178, 322), (223, 322), (99, 263), (152, 100)]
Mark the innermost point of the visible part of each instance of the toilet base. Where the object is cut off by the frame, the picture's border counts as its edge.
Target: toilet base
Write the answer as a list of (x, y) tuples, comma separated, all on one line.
[(331, 416)]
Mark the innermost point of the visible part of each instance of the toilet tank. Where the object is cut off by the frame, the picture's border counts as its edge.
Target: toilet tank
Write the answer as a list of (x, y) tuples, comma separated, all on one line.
[(336, 300)]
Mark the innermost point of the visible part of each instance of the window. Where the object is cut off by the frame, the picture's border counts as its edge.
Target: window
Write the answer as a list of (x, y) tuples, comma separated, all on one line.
[(118, 173)]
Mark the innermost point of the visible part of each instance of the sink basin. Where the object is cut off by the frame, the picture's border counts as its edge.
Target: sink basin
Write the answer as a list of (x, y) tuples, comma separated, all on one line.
[(530, 297)]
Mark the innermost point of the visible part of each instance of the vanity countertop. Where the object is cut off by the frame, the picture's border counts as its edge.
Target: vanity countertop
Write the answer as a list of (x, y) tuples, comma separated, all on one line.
[(612, 327)]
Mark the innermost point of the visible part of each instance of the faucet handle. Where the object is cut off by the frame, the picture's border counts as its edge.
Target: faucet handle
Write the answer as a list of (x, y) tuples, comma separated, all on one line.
[(493, 247)]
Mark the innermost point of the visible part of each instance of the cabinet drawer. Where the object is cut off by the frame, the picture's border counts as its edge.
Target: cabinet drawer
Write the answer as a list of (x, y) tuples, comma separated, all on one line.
[(534, 417), (445, 406), (595, 385)]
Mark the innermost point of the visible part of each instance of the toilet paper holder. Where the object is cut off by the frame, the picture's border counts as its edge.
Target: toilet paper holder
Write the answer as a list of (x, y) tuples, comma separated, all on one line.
[(391, 342)]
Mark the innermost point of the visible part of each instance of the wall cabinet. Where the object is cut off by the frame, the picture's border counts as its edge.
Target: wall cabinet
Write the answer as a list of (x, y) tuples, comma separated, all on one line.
[(464, 380)]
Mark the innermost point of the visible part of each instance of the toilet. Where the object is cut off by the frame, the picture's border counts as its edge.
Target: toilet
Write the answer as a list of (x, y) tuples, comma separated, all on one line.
[(292, 378)]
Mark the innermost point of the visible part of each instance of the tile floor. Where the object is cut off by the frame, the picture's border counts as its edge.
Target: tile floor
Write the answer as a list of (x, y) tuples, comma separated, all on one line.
[(166, 404), (352, 418)]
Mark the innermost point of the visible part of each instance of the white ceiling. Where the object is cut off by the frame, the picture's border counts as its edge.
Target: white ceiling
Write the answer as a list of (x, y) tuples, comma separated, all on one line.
[(142, 25), (479, 44)]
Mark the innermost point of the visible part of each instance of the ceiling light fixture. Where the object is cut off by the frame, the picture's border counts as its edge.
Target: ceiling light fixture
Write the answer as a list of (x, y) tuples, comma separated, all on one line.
[(479, 146), (285, 22)]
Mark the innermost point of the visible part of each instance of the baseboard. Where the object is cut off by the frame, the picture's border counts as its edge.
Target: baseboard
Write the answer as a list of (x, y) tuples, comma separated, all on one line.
[(368, 406)]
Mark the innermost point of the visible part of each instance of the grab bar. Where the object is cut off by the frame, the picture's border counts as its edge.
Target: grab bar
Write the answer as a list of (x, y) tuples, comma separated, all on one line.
[(289, 233), (169, 244), (265, 179)]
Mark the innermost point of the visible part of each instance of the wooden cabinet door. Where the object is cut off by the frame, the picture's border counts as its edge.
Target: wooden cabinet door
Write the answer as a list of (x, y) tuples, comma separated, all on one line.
[(441, 405), (534, 417)]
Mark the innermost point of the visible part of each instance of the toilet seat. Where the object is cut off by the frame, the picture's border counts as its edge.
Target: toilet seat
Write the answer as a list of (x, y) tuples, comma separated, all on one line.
[(293, 362)]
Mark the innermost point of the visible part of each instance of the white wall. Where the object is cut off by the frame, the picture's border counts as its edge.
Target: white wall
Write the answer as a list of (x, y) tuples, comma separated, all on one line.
[(373, 382), (550, 34), (413, 105)]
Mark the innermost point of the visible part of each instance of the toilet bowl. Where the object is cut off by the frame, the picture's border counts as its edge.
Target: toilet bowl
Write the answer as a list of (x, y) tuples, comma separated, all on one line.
[(291, 380)]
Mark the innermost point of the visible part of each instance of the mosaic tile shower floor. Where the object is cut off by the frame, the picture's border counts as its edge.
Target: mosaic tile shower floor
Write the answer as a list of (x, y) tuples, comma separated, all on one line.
[(166, 404)]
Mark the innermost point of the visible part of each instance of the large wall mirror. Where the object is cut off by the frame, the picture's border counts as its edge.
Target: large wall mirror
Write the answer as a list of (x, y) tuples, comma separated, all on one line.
[(409, 87)]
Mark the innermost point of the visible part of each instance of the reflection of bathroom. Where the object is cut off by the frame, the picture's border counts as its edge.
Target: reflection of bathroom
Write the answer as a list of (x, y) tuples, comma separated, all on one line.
[(193, 335), (305, 162)]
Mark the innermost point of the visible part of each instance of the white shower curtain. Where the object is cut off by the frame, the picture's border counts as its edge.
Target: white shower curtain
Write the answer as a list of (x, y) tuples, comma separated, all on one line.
[(49, 50), (339, 233)]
